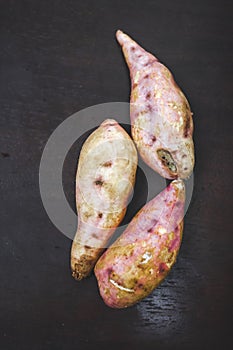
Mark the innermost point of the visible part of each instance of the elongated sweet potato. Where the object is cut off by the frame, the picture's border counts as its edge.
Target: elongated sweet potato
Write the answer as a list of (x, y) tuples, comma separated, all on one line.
[(161, 119), (141, 258), (105, 178)]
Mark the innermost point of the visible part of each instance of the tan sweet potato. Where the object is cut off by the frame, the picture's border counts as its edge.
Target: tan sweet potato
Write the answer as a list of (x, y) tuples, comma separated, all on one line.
[(104, 181)]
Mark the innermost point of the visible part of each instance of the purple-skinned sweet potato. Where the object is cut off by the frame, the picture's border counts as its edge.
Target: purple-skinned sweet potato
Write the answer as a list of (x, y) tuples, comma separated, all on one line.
[(104, 181), (161, 118), (143, 255)]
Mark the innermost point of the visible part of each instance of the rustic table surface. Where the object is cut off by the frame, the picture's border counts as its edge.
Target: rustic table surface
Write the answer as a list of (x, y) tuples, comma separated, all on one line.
[(58, 57)]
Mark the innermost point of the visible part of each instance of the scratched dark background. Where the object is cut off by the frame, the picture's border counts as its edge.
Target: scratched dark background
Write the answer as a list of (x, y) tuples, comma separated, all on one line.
[(56, 58)]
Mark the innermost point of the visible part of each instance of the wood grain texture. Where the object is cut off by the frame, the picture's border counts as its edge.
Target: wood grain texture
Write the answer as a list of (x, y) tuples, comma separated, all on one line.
[(56, 58)]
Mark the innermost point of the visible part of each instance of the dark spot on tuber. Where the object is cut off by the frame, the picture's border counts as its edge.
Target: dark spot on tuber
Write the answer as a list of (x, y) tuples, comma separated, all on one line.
[(162, 267), (108, 164), (100, 215), (187, 124), (153, 138), (98, 182), (109, 270), (167, 160), (148, 95), (154, 223)]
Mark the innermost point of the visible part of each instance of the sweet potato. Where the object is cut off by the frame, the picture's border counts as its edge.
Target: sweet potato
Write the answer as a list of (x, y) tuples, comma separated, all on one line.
[(104, 181), (161, 118), (143, 255)]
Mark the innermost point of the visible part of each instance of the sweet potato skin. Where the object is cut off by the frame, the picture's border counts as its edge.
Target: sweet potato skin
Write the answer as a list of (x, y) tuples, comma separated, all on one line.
[(162, 124), (104, 181), (141, 258)]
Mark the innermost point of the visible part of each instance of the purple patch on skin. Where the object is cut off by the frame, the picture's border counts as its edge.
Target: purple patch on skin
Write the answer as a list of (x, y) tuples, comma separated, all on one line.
[(174, 244), (162, 267), (109, 271)]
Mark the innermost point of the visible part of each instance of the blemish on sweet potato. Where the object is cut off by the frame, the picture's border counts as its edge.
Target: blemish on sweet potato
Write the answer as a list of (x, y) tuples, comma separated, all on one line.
[(167, 160), (153, 138), (83, 267), (187, 124), (109, 270), (162, 267), (99, 182), (108, 164)]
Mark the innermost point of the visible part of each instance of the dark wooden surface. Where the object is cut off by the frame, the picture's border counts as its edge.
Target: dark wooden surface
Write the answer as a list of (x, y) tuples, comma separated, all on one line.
[(56, 58)]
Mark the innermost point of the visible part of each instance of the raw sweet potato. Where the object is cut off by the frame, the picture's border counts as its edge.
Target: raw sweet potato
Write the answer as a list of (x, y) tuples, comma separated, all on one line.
[(104, 181), (161, 118), (143, 255)]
